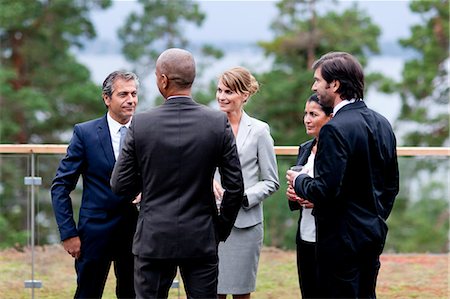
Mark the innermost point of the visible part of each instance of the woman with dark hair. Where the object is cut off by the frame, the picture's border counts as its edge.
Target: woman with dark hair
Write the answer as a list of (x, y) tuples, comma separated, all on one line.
[(315, 117)]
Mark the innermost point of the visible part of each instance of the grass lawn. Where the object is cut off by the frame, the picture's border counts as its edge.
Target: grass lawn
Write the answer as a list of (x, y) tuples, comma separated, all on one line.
[(401, 275)]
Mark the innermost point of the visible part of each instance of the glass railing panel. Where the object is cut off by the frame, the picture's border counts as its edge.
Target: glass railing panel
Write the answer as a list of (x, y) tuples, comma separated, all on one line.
[(27, 272), (419, 221), (15, 229), (14, 203), (280, 223), (51, 257), (47, 230)]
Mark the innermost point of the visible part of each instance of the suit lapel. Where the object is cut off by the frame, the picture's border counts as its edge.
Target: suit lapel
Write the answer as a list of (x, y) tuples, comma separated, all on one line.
[(245, 126), (104, 139)]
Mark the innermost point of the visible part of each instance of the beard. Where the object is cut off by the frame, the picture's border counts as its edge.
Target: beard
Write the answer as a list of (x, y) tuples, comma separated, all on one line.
[(325, 99)]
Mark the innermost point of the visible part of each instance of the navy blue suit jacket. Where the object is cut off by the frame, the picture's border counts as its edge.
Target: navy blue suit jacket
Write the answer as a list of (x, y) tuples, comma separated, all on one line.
[(356, 180), (106, 221)]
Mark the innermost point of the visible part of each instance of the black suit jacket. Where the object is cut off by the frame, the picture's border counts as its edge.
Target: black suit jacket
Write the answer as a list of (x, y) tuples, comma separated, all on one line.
[(171, 153), (106, 221), (356, 180), (304, 150)]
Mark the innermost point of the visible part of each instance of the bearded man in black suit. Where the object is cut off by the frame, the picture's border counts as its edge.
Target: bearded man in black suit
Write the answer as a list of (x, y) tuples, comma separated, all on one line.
[(355, 182)]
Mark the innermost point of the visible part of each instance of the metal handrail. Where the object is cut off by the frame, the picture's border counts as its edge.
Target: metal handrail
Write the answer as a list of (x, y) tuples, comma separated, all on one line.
[(279, 150)]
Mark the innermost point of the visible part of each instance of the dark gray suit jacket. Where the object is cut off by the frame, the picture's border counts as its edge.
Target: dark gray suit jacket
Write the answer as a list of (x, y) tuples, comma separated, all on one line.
[(356, 180), (171, 153)]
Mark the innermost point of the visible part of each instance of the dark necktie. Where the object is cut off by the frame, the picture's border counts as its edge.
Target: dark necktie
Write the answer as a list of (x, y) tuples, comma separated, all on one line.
[(123, 132)]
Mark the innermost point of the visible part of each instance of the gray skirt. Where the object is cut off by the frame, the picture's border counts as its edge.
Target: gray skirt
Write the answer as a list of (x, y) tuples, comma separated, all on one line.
[(238, 260)]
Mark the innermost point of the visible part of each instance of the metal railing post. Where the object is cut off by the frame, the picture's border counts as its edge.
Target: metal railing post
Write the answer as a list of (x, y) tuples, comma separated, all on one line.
[(32, 181)]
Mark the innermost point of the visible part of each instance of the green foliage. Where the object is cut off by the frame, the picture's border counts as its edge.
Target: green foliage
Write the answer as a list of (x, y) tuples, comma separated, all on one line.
[(42, 85), (44, 91), (208, 95), (281, 103), (280, 223), (303, 36), (309, 35), (13, 201), (9, 237), (425, 89), (420, 226), (420, 219), (158, 26)]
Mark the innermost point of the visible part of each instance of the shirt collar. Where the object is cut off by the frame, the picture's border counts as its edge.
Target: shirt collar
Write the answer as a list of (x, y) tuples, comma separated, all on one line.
[(342, 104), (114, 126), (178, 96)]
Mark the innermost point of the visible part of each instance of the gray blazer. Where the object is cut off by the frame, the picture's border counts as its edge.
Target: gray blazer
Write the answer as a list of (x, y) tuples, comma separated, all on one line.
[(255, 147)]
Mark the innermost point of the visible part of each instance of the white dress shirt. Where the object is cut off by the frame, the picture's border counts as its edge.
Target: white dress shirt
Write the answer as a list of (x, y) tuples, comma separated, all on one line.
[(114, 128), (307, 223)]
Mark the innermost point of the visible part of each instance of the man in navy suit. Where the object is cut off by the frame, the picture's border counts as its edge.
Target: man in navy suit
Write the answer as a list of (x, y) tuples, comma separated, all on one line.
[(171, 153), (355, 181), (106, 222)]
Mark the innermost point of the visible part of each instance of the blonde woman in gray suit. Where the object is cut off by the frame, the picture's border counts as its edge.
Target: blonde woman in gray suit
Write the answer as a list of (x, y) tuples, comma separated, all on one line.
[(239, 255)]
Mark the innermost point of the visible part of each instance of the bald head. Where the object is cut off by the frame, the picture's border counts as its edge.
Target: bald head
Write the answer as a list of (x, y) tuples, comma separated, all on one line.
[(178, 65)]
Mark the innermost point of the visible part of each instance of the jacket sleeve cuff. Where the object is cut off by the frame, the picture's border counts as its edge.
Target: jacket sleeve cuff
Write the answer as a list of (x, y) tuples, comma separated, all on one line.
[(245, 203)]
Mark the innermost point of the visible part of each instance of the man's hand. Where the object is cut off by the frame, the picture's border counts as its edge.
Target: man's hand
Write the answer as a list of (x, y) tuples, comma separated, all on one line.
[(290, 176), (290, 192), (218, 190), (137, 200), (72, 246)]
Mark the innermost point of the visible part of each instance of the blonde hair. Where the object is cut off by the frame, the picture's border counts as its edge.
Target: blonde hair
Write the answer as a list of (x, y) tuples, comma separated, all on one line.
[(240, 80)]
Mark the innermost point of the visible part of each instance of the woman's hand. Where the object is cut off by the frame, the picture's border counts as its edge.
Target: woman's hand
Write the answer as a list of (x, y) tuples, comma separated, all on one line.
[(305, 203), (291, 195)]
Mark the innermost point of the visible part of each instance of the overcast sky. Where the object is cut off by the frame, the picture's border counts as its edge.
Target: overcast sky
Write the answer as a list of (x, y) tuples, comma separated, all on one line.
[(250, 20)]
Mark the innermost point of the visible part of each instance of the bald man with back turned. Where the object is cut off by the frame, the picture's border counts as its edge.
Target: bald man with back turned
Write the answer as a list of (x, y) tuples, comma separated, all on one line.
[(170, 154)]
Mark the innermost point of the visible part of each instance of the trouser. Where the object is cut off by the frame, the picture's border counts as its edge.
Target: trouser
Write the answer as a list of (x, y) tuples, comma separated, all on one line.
[(92, 275), (153, 277), (345, 274), (307, 269)]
